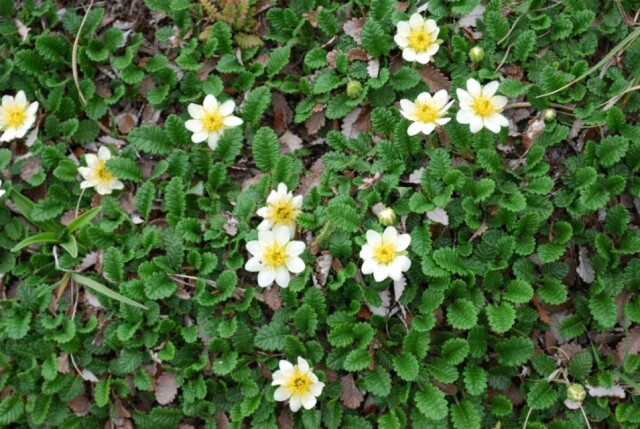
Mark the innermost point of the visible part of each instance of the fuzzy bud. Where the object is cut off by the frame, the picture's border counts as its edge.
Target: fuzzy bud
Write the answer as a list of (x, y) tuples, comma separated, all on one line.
[(576, 393), (476, 54), (387, 216), (354, 88), (549, 115)]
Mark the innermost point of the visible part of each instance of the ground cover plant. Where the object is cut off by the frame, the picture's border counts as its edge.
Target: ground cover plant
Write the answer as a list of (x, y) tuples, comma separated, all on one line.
[(320, 214)]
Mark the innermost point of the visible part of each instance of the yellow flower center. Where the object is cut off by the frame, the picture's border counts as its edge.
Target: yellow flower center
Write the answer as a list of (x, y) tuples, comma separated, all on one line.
[(426, 112), (14, 115), (275, 256), (299, 383), (483, 106), (212, 121), (419, 40), (102, 174), (283, 213), (385, 253)]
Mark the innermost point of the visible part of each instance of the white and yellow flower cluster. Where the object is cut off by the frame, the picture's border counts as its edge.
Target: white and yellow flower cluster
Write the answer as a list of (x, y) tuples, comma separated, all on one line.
[(275, 255), (96, 175), (479, 106), (210, 120), (296, 384), (17, 116)]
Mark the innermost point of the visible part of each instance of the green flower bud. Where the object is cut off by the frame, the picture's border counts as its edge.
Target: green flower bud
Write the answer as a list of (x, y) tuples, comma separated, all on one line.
[(549, 115), (576, 393), (476, 54), (354, 88), (387, 216)]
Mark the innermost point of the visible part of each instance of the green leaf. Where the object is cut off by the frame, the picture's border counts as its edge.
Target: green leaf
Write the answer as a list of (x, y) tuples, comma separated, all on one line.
[(496, 25), (124, 169), (518, 292), (475, 379), (405, 78), (100, 288), (271, 337), (83, 219), (101, 392), (406, 366), (266, 148), (374, 40), (144, 199), (113, 265), (11, 410), (611, 149), (524, 45), (431, 402), (278, 58), (255, 104), (455, 350), (462, 314), (378, 382), (357, 360), (542, 395), (151, 139), (603, 309), (41, 238), (513, 351), (465, 416), (501, 317), (306, 320)]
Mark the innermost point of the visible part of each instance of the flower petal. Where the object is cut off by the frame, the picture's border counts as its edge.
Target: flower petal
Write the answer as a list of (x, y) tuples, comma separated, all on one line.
[(374, 239), (303, 365), (232, 121), (309, 401), (490, 89), (227, 108), (253, 265), (295, 264), (416, 21), (282, 277), (390, 234), (212, 141), (402, 242), (210, 103), (266, 276), (282, 393), (369, 266), (196, 111), (194, 125), (381, 273), (403, 28), (295, 248)]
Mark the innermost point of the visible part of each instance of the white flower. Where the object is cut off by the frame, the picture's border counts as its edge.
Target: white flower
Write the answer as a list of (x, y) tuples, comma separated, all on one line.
[(2, 191), (96, 175), (385, 254), (418, 38), (298, 384), (427, 112), (210, 120), (480, 107), (274, 255), (16, 116), (282, 209)]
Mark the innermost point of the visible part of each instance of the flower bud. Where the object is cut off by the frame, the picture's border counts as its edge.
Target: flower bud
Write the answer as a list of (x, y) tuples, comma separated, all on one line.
[(549, 115), (576, 393), (354, 88), (476, 54), (387, 216)]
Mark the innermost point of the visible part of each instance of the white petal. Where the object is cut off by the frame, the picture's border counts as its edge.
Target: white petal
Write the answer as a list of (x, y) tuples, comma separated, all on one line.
[(212, 141), (404, 263), (475, 124), (408, 109), (32, 109), (282, 394), (194, 125), (374, 239), (441, 98), (433, 49), (490, 89), (286, 367), (282, 188), (104, 153), (401, 41), (297, 201), (227, 108), (369, 266), (232, 121), (366, 252), (295, 264), (423, 57), (8, 135), (21, 98), (380, 273), (390, 234), (281, 235), (263, 211), (403, 28), (316, 388), (464, 116), (409, 54), (442, 121), (394, 271), (425, 98), (464, 97), (210, 103), (474, 88), (402, 242), (266, 277), (253, 265), (416, 21), (303, 365), (430, 25), (492, 123), (116, 184), (295, 248), (196, 111), (200, 136), (254, 247), (266, 237), (414, 128), (499, 101), (265, 225), (295, 403), (308, 401), (282, 277), (427, 128)]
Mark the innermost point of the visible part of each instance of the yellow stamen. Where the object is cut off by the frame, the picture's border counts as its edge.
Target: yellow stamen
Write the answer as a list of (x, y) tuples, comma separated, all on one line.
[(212, 121), (385, 253), (426, 112), (14, 115), (483, 106), (275, 256), (298, 383), (102, 174), (419, 40), (283, 213)]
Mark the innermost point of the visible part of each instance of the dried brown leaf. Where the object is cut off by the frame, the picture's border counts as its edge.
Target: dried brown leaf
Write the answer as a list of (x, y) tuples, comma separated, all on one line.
[(585, 270), (315, 122), (356, 122), (323, 266), (351, 396), (80, 405), (285, 420), (30, 167), (290, 142), (434, 78), (353, 28), (166, 388), (272, 298)]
